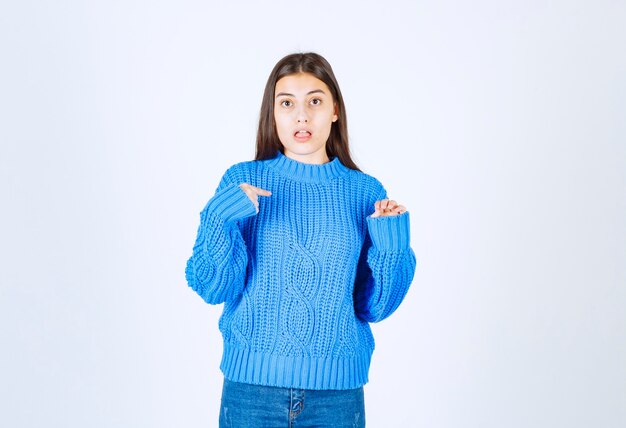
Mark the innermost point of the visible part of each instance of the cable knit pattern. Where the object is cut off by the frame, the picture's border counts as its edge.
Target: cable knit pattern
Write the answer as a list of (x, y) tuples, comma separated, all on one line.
[(302, 277)]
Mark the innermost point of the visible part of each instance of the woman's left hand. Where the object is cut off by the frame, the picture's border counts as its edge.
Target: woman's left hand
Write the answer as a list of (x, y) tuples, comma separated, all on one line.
[(387, 208)]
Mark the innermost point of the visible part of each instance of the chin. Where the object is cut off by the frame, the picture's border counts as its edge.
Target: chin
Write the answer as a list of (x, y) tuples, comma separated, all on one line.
[(302, 148)]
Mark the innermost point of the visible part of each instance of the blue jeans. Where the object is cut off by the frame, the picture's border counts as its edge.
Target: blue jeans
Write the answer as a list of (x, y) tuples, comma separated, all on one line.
[(256, 406)]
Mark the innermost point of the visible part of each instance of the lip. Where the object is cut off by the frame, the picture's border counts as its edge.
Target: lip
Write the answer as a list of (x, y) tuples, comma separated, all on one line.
[(302, 138)]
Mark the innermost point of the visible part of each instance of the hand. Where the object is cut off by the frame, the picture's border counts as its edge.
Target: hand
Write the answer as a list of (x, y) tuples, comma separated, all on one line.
[(253, 193), (387, 208)]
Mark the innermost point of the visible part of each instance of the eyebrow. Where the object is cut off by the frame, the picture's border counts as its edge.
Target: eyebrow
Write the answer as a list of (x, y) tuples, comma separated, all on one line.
[(292, 95)]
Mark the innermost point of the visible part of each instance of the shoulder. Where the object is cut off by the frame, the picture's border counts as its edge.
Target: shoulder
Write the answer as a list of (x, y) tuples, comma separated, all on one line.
[(240, 170), (236, 173), (368, 185)]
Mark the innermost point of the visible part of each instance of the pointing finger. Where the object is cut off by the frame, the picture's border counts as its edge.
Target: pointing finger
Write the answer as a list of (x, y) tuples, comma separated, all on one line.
[(260, 191)]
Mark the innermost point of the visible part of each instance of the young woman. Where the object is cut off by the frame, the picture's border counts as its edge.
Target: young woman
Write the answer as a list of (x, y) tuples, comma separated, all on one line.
[(304, 250)]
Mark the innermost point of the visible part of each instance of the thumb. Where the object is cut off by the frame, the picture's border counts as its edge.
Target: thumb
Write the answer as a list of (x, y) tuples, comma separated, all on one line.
[(377, 210)]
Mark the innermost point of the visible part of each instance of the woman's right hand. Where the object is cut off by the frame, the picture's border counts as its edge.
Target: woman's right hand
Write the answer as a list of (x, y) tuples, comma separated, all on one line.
[(254, 192)]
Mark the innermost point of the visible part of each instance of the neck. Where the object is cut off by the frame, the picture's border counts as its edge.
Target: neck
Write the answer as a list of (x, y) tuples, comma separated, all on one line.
[(318, 158)]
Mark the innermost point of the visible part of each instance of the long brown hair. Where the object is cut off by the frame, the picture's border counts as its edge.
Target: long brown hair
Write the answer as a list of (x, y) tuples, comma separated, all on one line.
[(267, 141)]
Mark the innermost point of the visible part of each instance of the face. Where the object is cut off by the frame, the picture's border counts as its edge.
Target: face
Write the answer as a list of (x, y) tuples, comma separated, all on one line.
[(304, 111)]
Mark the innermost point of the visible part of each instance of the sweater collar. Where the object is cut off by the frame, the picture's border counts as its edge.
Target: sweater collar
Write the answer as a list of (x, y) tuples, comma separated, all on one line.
[(307, 172)]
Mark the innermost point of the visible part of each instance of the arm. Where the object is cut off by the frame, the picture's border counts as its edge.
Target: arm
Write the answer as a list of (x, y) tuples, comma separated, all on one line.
[(217, 268), (386, 267)]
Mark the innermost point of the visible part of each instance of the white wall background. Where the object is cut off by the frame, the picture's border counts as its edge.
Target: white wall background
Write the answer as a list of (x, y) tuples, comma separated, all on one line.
[(499, 124)]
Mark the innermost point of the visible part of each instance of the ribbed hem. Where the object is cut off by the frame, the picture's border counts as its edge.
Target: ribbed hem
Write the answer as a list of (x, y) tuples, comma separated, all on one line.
[(307, 172), (242, 365), (390, 233), (231, 203)]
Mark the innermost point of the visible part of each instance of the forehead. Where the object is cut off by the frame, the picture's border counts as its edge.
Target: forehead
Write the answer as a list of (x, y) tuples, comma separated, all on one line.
[(300, 84)]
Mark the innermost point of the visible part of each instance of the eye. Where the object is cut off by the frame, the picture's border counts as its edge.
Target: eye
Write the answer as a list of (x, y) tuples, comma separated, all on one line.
[(316, 101), (282, 103)]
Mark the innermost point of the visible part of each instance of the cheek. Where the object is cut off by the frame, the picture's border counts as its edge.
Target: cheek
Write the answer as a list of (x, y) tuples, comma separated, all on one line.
[(280, 125), (328, 119)]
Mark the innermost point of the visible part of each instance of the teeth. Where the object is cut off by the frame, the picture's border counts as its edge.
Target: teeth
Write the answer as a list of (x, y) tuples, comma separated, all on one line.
[(303, 132)]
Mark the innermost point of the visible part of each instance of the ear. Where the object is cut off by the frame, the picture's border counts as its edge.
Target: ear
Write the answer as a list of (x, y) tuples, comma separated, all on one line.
[(335, 116)]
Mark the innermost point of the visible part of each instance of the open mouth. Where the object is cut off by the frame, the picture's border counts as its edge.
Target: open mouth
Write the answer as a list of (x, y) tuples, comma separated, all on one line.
[(302, 135)]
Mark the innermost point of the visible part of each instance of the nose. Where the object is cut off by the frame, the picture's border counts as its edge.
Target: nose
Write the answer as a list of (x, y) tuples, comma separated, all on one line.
[(301, 115)]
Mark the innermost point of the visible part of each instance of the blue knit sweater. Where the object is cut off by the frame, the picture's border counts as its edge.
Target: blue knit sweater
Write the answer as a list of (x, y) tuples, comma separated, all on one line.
[(302, 278)]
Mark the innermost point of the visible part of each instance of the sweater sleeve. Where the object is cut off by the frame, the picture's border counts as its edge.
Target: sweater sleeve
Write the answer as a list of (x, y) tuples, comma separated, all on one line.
[(216, 269), (386, 267)]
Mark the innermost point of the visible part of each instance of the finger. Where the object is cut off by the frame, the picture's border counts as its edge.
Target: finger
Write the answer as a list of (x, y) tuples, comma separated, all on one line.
[(247, 189), (257, 190), (391, 204), (262, 192), (376, 210)]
